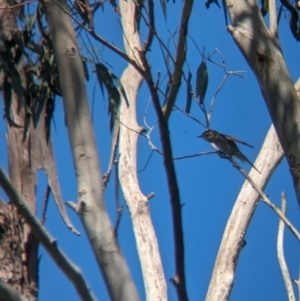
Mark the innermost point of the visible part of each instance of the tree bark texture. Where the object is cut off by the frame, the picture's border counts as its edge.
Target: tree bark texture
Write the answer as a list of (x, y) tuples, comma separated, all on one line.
[(222, 279), (18, 247), (91, 206), (261, 49), (137, 202)]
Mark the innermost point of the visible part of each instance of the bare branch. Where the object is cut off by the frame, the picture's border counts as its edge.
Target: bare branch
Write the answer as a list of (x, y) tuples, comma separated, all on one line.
[(172, 185), (180, 58), (17, 5), (113, 150), (119, 208), (151, 26), (297, 282), (264, 55), (137, 202), (195, 155), (267, 201), (273, 18), (190, 116), (227, 73), (225, 265), (103, 41), (280, 254), (91, 203)]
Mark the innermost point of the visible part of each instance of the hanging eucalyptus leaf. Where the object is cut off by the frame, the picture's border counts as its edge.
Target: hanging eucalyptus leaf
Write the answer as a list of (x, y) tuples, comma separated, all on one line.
[(164, 7), (108, 79), (201, 82), (189, 94)]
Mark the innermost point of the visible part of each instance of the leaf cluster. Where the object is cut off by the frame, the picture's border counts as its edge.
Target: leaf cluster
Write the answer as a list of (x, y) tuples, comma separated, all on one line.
[(28, 71), (112, 84)]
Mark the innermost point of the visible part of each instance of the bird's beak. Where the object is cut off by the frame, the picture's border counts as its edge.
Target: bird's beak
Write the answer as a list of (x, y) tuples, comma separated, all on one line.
[(201, 136)]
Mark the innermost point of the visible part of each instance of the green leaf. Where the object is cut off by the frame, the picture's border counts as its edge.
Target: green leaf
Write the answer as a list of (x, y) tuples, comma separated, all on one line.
[(107, 78), (189, 94), (27, 123), (7, 93), (225, 11), (139, 4), (201, 82), (50, 104), (294, 25), (120, 86), (164, 7), (16, 85), (264, 7), (209, 2), (30, 22), (279, 14), (19, 39)]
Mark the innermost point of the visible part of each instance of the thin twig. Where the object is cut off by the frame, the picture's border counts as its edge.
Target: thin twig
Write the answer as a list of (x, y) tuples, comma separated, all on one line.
[(147, 162), (172, 184), (190, 116), (195, 155), (118, 206), (113, 150), (180, 58), (95, 8), (129, 46), (17, 5), (273, 18), (280, 254), (297, 282), (150, 27), (104, 42), (227, 73), (266, 200)]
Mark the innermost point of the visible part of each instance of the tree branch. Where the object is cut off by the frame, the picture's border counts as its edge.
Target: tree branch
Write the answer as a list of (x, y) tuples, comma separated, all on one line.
[(72, 272), (180, 58), (102, 40), (91, 204), (179, 279), (264, 55), (233, 238), (150, 26), (280, 254), (267, 201), (137, 202)]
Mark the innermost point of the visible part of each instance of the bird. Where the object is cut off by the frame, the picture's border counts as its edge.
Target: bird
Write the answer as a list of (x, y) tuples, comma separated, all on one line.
[(226, 144)]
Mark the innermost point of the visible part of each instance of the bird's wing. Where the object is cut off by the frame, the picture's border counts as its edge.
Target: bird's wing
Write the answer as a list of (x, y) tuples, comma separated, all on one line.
[(238, 141)]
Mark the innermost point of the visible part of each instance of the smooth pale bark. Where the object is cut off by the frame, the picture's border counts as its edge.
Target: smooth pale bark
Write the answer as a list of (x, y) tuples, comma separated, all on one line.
[(90, 206), (280, 254), (261, 48), (137, 202), (233, 238)]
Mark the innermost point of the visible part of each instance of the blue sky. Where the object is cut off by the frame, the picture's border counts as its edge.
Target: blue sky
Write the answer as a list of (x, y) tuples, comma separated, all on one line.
[(208, 185)]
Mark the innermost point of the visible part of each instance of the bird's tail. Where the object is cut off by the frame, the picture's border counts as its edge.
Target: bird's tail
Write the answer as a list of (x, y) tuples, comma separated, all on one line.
[(243, 158)]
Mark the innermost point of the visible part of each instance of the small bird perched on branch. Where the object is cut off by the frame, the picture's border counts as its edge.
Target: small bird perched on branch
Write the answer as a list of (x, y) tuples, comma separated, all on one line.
[(226, 144)]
